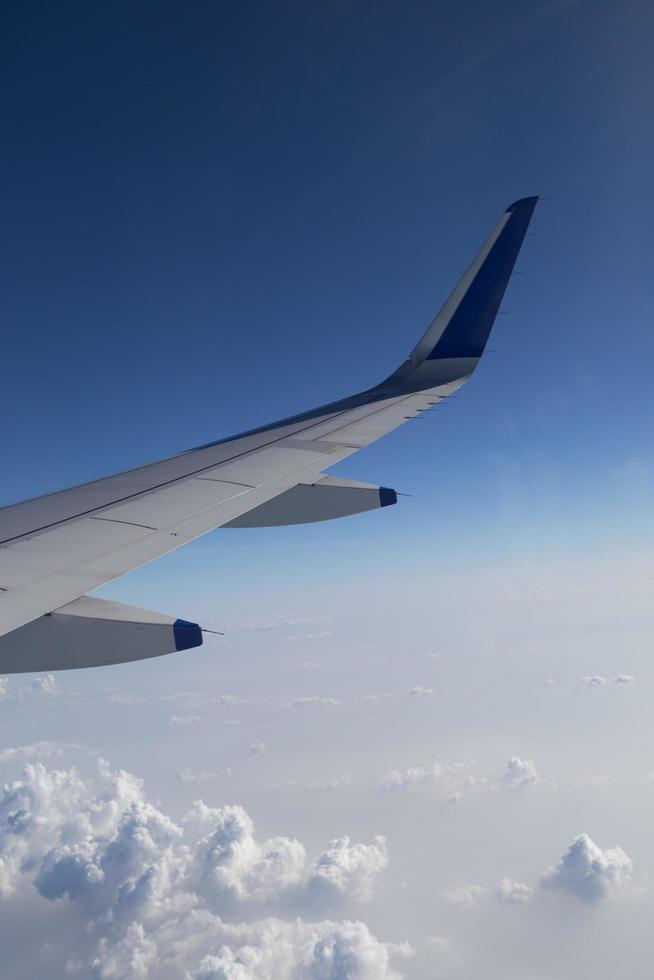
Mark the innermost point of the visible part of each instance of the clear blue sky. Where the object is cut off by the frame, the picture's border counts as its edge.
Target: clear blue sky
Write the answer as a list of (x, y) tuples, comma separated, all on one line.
[(218, 214)]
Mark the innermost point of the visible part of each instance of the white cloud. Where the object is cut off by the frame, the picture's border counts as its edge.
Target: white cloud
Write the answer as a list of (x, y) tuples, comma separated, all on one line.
[(512, 892), (348, 953), (596, 781), (588, 872), (451, 780), (279, 621), (3, 687), (346, 869), (413, 778), (120, 873), (518, 774), (257, 748), (148, 889), (597, 680), (233, 867), (420, 691), (44, 685), (181, 720), (36, 810), (338, 782), (467, 897), (373, 698), (275, 950), (44, 750), (189, 776), (314, 699)]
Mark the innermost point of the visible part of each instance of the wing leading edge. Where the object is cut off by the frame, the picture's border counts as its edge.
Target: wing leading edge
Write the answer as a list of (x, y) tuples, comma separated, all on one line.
[(54, 549)]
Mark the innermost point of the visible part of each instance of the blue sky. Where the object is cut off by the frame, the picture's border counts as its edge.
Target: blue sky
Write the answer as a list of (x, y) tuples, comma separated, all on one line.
[(216, 215), (277, 199), (218, 219)]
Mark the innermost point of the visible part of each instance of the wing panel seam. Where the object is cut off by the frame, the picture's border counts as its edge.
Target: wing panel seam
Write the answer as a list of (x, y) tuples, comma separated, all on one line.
[(187, 476)]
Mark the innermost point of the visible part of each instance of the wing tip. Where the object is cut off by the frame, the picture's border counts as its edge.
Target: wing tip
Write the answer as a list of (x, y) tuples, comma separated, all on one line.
[(524, 204)]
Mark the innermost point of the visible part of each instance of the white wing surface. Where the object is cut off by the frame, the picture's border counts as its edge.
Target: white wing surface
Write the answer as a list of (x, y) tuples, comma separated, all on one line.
[(56, 548)]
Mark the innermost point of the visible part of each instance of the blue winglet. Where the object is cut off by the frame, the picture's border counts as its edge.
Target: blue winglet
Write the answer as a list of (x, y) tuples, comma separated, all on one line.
[(187, 635), (470, 325), (524, 202)]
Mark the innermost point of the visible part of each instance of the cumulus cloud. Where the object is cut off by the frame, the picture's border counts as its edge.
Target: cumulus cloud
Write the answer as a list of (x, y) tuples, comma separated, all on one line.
[(346, 869), (518, 774), (275, 950), (267, 950), (623, 679), (348, 953), (593, 680), (44, 685), (233, 867), (154, 893), (257, 748), (512, 892), (181, 720), (452, 780), (588, 872), (420, 691), (415, 777), (44, 805)]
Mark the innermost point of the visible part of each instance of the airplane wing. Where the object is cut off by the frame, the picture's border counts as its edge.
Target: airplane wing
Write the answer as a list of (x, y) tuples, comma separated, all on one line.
[(56, 548)]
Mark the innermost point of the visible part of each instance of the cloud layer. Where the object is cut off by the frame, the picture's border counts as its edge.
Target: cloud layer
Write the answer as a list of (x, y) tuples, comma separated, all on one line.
[(199, 899)]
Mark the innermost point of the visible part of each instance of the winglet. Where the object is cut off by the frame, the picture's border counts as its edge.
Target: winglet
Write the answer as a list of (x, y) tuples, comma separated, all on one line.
[(460, 330), (524, 202)]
